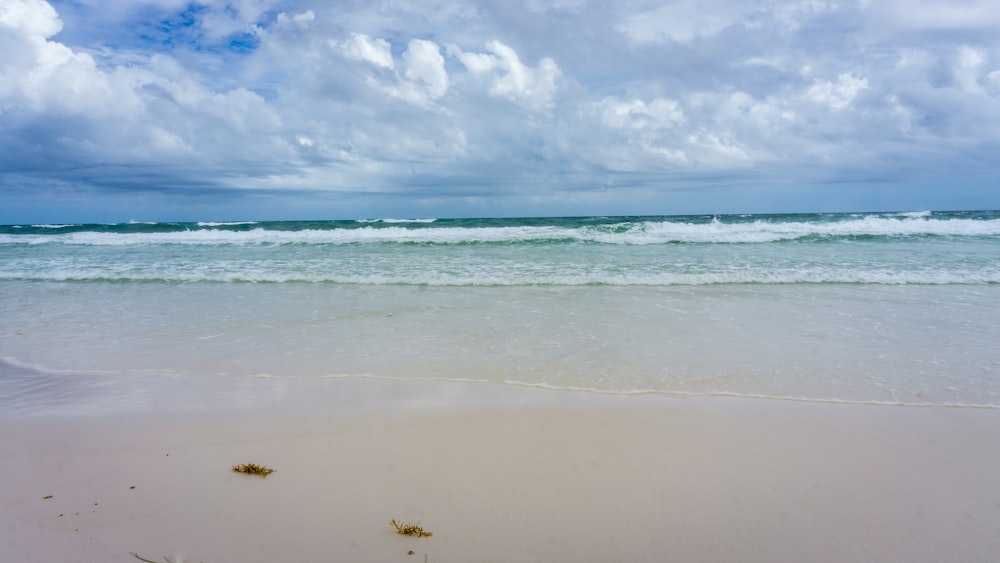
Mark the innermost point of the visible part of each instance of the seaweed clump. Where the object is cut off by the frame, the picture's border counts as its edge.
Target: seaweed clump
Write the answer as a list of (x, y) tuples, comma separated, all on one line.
[(253, 469), (410, 529)]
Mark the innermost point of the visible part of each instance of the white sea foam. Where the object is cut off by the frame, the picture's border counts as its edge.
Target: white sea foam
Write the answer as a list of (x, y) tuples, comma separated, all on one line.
[(389, 220), (883, 249), (479, 275), (625, 233), (765, 231), (225, 223)]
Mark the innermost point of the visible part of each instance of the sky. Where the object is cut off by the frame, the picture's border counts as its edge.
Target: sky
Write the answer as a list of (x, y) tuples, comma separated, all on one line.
[(160, 110)]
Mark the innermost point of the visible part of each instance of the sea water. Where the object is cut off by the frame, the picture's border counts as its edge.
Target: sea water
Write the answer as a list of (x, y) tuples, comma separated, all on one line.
[(889, 308)]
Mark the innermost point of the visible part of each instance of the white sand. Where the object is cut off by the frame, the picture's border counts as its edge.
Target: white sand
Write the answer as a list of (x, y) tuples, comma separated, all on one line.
[(522, 475)]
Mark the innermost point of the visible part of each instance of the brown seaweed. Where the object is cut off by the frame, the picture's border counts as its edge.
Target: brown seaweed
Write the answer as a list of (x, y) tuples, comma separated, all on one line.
[(410, 529), (253, 469)]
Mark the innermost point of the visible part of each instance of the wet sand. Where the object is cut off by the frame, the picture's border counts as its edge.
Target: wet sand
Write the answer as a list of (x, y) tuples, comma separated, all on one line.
[(502, 474)]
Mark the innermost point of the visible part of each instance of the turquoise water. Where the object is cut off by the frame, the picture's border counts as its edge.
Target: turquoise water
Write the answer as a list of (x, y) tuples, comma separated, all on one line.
[(896, 308), (926, 248)]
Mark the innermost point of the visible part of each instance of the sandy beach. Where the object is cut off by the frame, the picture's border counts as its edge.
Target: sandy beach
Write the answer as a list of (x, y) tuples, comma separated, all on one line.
[(551, 280), (505, 474)]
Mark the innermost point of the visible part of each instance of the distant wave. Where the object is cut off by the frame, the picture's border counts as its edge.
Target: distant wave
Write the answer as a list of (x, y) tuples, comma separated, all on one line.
[(225, 224), (916, 214), (644, 232), (396, 220)]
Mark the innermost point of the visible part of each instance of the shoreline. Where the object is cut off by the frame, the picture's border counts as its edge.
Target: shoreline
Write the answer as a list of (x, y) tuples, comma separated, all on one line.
[(31, 391), (505, 475)]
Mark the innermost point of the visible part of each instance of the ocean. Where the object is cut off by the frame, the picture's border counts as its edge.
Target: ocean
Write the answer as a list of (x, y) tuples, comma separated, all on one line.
[(881, 308)]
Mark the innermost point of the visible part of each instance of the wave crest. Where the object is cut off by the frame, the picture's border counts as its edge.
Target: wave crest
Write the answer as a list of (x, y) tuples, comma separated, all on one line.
[(626, 232)]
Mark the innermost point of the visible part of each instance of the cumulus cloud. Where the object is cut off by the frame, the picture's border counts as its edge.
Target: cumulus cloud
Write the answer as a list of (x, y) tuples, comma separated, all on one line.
[(299, 21), (837, 95), (642, 130), (511, 79), (360, 47), (67, 111), (419, 78), (636, 114), (565, 97), (38, 75), (424, 68), (32, 17)]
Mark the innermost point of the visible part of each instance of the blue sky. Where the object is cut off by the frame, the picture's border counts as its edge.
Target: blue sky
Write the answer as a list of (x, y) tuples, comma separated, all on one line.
[(117, 110)]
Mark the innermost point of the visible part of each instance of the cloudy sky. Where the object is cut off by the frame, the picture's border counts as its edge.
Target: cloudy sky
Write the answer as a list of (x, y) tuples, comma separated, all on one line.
[(112, 110)]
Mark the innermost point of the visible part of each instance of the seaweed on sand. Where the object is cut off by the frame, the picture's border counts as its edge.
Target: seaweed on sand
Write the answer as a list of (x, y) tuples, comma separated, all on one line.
[(253, 469), (410, 529)]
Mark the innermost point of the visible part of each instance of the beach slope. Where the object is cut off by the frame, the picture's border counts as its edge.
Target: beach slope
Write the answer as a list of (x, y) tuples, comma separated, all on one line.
[(568, 477)]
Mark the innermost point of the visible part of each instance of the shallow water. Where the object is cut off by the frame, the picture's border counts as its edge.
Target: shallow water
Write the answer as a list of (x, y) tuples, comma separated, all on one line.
[(812, 308), (906, 344)]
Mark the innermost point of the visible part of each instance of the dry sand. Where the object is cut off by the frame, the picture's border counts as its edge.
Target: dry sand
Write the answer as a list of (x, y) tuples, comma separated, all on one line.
[(512, 475)]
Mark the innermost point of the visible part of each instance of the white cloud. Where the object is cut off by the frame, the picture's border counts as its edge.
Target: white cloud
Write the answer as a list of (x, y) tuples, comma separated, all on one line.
[(837, 95), (681, 21), (511, 79), (933, 14), (35, 18), (419, 78), (793, 14), (361, 47), (554, 5), (716, 149), (643, 130), (42, 75), (296, 20), (335, 95), (121, 115), (477, 63), (637, 114), (223, 19), (424, 68), (968, 68)]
